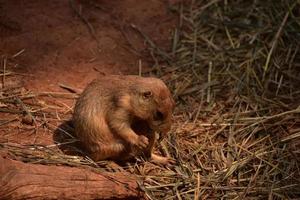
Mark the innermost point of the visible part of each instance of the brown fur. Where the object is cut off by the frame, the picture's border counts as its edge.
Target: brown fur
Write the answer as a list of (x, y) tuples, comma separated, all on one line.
[(116, 117)]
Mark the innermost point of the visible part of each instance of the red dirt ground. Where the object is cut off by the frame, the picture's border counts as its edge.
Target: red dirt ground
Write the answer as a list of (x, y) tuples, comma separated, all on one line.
[(59, 48), (54, 45)]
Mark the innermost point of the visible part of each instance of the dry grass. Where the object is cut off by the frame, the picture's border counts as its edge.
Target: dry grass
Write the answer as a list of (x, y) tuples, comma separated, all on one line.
[(234, 70)]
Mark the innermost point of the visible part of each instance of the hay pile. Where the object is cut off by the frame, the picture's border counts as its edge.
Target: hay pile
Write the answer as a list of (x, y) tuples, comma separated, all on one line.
[(234, 70)]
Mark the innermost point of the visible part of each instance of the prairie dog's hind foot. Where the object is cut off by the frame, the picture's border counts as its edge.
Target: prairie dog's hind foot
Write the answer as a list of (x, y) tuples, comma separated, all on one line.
[(160, 160)]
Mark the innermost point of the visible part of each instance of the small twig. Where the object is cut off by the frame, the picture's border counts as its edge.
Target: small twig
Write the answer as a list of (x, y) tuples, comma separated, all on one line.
[(18, 53), (90, 27), (62, 143), (8, 121), (199, 108), (275, 43), (208, 4), (70, 88), (140, 67), (197, 190), (4, 70), (62, 130), (175, 42), (209, 82), (24, 107), (12, 111)]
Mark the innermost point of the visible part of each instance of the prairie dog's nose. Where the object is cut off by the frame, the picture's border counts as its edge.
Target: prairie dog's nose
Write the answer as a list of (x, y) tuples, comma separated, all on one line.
[(159, 116)]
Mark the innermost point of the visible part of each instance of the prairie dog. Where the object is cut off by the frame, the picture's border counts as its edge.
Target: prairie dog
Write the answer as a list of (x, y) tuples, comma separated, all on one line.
[(116, 117)]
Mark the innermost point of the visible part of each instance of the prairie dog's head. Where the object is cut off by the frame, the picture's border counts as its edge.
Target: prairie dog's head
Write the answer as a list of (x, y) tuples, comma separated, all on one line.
[(152, 101)]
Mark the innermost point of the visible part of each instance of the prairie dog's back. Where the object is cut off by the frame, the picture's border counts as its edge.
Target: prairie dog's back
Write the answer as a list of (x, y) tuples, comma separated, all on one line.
[(90, 112), (94, 105), (99, 95)]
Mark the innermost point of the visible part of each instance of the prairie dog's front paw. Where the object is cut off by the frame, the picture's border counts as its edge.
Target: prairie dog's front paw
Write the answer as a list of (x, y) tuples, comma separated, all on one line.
[(141, 142)]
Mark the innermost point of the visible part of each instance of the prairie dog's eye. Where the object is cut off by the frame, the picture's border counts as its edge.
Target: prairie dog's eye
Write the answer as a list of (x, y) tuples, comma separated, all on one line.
[(159, 116), (147, 94)]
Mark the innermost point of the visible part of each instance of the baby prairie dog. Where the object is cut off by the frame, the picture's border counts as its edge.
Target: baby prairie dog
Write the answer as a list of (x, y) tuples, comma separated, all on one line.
[(116, 117)]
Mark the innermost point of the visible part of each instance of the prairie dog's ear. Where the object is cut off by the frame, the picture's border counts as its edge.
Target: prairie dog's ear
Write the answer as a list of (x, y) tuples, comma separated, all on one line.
[(147, 94)]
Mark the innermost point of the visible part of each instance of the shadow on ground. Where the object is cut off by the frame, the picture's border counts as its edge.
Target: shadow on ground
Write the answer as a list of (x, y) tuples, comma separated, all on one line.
[(67, 142)]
